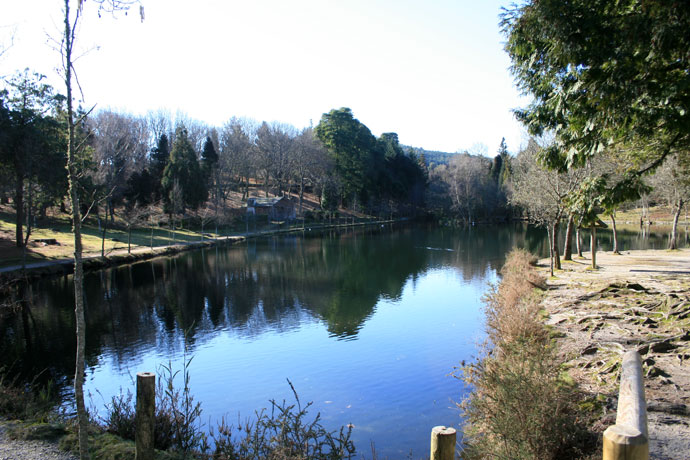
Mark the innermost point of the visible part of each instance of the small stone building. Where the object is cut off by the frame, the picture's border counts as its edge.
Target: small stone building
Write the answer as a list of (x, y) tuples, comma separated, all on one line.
[(275, 208)]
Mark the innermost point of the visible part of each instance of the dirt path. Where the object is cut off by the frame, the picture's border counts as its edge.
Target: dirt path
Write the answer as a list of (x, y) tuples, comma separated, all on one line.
[(637, 300), (12, 449)]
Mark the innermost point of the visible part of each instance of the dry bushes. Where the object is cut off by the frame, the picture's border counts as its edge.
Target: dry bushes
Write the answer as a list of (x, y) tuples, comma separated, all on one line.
[(512, 307), (519, 408)]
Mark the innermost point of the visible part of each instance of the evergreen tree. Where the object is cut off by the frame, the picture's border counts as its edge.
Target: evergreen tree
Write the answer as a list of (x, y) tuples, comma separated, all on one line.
[(184, 170), (209, 158), (504, 170), (159, 157), (140, 189), (31, 142), (604, 74), (496, 169), (353, 149)]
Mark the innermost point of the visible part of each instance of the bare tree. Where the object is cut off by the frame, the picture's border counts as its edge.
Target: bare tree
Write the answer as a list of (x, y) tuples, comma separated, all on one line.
[(468, 182), (236, 148), (309, 159), (72, 18), (274, 143), (542, 193), (120, 146), (132, 216), (671, 183), (159, 122)]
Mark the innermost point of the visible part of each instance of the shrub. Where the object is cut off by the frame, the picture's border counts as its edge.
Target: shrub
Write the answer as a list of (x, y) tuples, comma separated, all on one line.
[(520, 407), (512, 307), (25, 401), (177, 415), (285, 434)]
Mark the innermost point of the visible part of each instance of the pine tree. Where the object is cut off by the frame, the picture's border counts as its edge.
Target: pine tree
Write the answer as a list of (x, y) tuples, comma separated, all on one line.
[(504, 171), (159, 157), (184, 169), (209, 158)]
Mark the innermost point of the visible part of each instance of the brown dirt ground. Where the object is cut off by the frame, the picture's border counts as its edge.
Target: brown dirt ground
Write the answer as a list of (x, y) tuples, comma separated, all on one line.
[(636, 300)]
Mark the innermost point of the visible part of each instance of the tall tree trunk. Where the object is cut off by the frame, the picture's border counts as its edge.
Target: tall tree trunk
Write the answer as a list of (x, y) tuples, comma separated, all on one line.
[(674, 228), (301, 192), (105, 229), (19, 206), (578, 241), (548, 232), (567, 246), (615, 233), (111, 210), (593, 245), (29, 217), (554, 244), (76, 230)]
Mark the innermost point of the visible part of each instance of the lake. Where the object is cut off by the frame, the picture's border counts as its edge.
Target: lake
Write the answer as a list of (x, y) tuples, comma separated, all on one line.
[(367, 323)]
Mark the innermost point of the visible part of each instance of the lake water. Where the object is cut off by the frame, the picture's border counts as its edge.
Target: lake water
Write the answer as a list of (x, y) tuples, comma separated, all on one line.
[(368, 324)]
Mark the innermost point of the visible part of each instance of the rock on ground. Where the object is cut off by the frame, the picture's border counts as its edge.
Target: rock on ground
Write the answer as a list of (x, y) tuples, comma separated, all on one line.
[(637, 300)]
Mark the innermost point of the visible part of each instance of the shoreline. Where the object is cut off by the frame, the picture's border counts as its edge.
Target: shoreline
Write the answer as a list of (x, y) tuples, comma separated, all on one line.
[(639, 300), (59, 267)]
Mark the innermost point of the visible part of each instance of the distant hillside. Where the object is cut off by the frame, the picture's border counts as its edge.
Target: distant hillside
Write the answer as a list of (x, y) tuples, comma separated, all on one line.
[(431, 156)]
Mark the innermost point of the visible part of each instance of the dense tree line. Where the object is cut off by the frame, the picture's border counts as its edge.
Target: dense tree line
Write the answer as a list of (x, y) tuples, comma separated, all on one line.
[(376, 174), (471, 188), (133, 166)]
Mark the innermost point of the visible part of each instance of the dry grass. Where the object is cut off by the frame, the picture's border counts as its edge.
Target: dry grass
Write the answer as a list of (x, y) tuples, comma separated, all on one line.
[(521, 406), (512, 308)]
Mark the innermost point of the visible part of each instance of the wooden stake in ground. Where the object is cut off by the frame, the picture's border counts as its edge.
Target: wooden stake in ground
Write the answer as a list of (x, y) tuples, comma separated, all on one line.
[(145, 415), (442, 443)]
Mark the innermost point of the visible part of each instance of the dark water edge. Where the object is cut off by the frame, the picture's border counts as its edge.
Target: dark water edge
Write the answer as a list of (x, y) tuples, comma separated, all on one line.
[(355, 318)]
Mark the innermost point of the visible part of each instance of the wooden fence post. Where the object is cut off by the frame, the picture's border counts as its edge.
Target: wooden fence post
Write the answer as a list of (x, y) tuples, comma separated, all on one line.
[(628, 438), (145, 415), (442, 443)]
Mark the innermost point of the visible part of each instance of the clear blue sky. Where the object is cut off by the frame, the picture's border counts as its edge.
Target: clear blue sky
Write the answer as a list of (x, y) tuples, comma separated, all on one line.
[(433, 71)]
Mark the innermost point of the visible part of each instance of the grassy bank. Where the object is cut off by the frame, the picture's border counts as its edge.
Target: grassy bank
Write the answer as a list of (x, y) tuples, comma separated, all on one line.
[(58, 231), (50, 249)]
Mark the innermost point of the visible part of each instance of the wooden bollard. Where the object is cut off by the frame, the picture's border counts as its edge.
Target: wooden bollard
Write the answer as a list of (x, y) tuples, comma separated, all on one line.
[(145, 415), (628, 438), (442, 443)]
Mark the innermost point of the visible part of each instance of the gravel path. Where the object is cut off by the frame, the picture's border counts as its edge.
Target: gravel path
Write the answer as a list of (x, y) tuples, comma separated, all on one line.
[(29, 450)]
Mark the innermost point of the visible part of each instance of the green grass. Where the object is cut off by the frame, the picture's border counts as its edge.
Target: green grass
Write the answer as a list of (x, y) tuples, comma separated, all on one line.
[(59, 228)]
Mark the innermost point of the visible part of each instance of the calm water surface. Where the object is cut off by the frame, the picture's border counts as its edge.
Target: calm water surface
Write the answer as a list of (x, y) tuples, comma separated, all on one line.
[(367, 324)]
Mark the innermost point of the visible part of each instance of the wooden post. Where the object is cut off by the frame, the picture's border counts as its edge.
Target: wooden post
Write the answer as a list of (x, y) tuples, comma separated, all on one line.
[(145, 415), (442, 443), (628, 438)]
